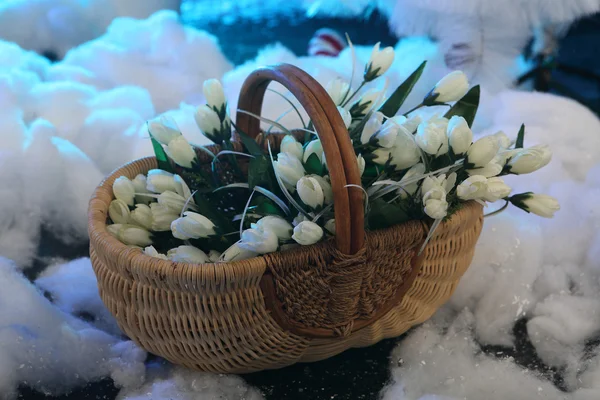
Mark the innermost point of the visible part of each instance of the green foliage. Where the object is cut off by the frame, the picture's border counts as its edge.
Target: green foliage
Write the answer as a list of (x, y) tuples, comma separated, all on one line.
[(520, 137), (161, 156), (383, 214), (467, 106), (313, 165), (259, 172), (396, 100)]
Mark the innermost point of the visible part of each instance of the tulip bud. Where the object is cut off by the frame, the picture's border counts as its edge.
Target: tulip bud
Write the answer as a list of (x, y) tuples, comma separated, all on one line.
[(379, 62), (151, 251), (160, 181), (475, 187), (209, 122), (279, 226), (539, 204), (162, 217), (313, 147), (435, 204), (299, 218), (338, 90), (386, 137), (410, 124), (161, 131), (459, 135), (172, 201), (489, 170), (290, 145), (213, 91), (452, 87), (118, 212), (373, 125), (124, 190), (307, 233), (289, 169), (182, 189), (237, 253), (346, 117), (405, 152), (482, 152), (361, 164), (130, 234), (368, 101), (330, 226), (140, 183), (180, 151), (381, 156), (259, 241), (142, 216), (192, 226), (214, 256), (431, 136), (310, 192), (503, 140), (529, 160), (187, 254), (432, 182), (496, 189)]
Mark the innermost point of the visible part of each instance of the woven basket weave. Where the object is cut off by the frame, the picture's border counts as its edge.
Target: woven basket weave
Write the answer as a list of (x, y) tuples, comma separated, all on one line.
[(299, 305)]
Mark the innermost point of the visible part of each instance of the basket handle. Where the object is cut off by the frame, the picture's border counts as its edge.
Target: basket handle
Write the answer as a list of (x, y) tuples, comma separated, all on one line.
[(341, 159)]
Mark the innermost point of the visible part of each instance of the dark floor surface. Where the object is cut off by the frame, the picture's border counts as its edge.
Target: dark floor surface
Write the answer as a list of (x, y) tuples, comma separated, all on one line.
[(358, 373)]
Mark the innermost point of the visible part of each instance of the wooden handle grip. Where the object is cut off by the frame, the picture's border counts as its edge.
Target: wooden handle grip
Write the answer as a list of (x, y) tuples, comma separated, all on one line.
[(328, 123)]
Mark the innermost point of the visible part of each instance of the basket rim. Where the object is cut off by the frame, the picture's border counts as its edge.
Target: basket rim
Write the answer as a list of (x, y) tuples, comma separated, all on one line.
[(140, 264)]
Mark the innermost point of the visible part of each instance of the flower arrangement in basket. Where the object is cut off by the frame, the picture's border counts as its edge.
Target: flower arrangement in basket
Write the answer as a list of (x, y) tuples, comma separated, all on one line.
[(295, 206)]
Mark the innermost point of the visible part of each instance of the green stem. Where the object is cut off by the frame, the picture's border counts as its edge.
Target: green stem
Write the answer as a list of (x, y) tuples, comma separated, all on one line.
[(498, 211), (413, 109), (346, 101)]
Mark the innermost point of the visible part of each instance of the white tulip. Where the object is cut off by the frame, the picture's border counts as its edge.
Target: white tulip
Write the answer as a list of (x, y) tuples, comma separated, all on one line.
[(187, 254), (539, 204), (346, 116), (330, 226), (124, 190), (379, 62), (460, 135), (338, 90), (307, 233), (381, 156), (259, 241), (411, 188), (435, 204), (279, 226), (489, 170), (159, 181), (118, 211), (410, 124), (313, 147), (162, 217), (405, 152), (208, 121), (372, 125), (182, 188), (368, 101), (289, 169), (214, 256), (192, 226), (161, 132), (529, 160), (386, 137), (503, 140), (496, 189), (142, 216), (361, 164), (290, 145), (173, 201), (432, 182), (140, 183), (299, 218), (475, 187), (130, 234), (310, 192), (180, 151), (431, 136), (213, 91), (152, 252), (452, 87), (236, 253), (326, 186), (482, 152)]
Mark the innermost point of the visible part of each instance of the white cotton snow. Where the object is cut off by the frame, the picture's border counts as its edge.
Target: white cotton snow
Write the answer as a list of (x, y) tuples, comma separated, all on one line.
[(51, 351), (55, 26), (160, 54)]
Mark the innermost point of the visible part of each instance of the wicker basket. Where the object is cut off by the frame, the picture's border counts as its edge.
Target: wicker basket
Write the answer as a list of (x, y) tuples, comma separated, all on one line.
[(299, 305)]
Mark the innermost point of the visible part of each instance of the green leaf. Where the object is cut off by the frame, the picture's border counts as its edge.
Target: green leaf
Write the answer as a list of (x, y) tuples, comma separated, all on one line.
[(258, 172), (467, 106), (265, 206), (395, 101), (313, 165), (161, 157), (209, 211), (520, 137), (250, 144), (384, 215)]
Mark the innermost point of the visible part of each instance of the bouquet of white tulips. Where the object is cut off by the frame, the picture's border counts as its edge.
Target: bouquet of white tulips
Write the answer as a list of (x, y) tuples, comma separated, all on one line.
[(412, 168)]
